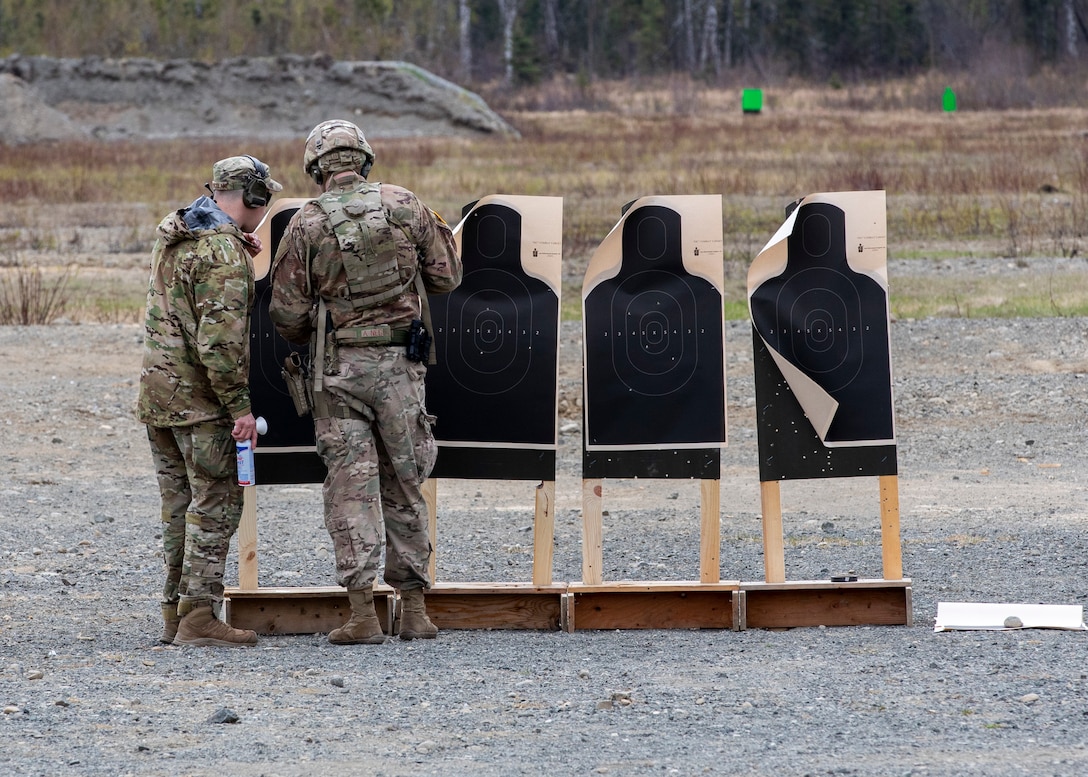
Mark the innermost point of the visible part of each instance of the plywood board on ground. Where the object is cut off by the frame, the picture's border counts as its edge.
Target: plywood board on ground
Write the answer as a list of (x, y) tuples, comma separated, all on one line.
[(316, 610), (825, 603), (496, 606), (664, 605)]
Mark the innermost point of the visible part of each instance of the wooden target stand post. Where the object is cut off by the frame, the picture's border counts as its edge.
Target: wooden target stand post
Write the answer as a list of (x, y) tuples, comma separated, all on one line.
[(709, 602), (838, 602), (537, 604), (654, 382)]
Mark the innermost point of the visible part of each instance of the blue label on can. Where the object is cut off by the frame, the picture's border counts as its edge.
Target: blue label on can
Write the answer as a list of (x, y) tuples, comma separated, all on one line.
[(245, 463)]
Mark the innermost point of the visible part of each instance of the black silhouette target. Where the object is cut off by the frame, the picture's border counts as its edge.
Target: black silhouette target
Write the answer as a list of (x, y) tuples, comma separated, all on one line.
[(496, 337), (653, 344), (268, 392), (832, 324)]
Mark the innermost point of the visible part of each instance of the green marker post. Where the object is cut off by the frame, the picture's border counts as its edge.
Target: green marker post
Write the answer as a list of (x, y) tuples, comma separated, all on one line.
[(949, 100), (751, 100)]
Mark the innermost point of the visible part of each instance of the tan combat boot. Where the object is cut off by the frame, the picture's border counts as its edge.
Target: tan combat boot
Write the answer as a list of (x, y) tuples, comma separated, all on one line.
[(363, 628), (200, 627), (414, 623), (170, 621)]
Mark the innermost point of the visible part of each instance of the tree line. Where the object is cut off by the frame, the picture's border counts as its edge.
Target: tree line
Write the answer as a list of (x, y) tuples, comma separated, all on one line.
[(526, 41)]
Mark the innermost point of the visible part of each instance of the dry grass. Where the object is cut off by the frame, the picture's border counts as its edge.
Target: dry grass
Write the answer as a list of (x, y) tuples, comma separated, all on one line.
[(31, 295), (970, 184)]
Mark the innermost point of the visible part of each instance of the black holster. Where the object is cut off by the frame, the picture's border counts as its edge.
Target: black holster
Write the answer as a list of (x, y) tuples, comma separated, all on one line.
[(419, 342)]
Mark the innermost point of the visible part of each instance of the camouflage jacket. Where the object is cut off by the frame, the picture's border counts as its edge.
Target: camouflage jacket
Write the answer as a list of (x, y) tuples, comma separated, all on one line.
[(308, 265), (196, 341)]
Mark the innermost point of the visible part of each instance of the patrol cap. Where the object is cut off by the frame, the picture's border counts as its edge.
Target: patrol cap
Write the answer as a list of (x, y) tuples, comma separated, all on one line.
[(239, 172)]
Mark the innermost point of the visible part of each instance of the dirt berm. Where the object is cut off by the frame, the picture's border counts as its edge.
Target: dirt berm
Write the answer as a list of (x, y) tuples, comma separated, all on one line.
[(55, 99)]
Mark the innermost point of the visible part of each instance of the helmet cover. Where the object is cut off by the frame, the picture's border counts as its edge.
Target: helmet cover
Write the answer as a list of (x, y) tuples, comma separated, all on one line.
[(336, 135)]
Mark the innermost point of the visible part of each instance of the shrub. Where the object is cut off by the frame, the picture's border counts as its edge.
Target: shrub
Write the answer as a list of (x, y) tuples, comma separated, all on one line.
[(27, 296)]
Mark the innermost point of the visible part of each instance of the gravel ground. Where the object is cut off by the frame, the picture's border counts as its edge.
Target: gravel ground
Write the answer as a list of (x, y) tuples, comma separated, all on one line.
[(991, 418)]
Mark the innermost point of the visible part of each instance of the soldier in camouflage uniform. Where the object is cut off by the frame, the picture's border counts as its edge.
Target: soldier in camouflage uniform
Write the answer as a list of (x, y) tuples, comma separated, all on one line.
[(194, 392), (351, 270)]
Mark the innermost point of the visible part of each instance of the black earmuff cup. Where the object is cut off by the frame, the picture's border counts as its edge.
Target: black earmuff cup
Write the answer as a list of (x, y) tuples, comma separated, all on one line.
[(256, 194)]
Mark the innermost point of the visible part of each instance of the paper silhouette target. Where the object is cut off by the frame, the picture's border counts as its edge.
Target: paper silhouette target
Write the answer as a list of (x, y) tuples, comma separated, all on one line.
[(653, 329), (818, 298), (495, 385)]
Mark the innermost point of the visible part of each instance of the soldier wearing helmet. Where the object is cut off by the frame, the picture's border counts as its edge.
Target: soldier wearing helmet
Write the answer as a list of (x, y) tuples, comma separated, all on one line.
[(336, 145), (351, 275), (194, 389)]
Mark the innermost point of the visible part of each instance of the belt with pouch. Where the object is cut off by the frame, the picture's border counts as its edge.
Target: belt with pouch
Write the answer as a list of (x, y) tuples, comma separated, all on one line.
[(382, 334)]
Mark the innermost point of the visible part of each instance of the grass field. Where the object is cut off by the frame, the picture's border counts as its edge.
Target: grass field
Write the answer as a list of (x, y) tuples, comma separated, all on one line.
[(968, 185)]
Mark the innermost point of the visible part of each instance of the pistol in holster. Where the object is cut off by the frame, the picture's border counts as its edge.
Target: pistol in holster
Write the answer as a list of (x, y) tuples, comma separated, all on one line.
[(298, 384), (419, 342)]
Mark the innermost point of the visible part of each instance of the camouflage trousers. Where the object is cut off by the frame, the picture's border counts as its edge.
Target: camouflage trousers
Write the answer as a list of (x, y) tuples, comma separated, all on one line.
[(196, 468), (379, 448)]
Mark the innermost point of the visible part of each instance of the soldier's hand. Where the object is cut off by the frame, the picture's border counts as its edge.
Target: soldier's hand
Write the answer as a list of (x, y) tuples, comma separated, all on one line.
[(252, 243), (245, 428)]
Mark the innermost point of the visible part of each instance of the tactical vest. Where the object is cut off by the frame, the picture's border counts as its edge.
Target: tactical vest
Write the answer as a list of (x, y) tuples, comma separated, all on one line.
[(365, 235)]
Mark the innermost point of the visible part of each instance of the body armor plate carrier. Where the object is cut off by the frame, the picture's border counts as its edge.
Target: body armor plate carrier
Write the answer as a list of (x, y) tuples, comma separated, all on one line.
[(365, 234)]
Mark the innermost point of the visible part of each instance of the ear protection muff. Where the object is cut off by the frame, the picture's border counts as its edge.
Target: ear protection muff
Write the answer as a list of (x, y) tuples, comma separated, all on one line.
[(255, 194)]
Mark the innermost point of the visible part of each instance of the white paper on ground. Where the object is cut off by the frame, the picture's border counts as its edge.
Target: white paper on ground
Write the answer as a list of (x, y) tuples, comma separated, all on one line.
[(971, 616)]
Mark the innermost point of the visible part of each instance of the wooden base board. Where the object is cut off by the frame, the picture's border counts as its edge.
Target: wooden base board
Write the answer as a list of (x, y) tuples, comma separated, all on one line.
[(653, 605), (827, 603), (579, 606), (449, 606), (496, 606), (316, 610)]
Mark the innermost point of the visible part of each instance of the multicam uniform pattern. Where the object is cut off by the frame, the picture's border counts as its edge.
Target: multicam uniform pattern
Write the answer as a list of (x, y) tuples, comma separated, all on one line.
[(379, 447), (194, 383)]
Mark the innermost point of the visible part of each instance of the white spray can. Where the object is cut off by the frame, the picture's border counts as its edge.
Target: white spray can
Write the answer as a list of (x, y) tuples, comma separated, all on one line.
[(246, 474)]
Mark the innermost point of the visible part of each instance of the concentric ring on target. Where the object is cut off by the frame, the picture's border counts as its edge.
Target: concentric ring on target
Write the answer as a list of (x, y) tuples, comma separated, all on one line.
[(820, 325), (492, 333), (654, 345)]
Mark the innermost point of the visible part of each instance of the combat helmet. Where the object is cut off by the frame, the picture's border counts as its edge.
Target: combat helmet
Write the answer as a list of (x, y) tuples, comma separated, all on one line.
[(336, 145)]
